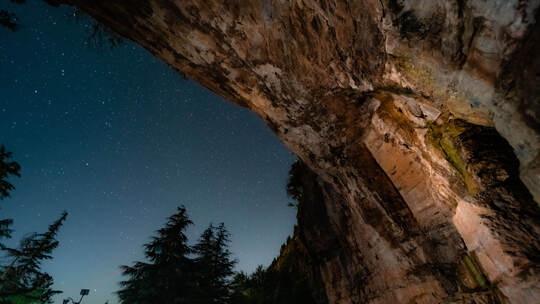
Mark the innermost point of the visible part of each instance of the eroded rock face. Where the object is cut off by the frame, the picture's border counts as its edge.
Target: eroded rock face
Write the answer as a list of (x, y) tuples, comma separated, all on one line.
[(419, 117)]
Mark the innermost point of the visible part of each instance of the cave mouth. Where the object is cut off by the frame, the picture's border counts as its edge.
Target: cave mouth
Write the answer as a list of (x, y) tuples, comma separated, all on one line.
[(412, 132), (120, 140)]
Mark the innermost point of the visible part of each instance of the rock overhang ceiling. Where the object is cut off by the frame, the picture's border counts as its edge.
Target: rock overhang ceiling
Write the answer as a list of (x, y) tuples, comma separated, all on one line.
[(419, 118)]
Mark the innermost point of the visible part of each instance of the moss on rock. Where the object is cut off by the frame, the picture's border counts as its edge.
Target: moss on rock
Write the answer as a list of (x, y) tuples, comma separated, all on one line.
[(446, 137)]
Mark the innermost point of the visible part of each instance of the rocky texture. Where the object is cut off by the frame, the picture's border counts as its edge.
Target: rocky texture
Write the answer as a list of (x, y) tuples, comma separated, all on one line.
[(419, 117)]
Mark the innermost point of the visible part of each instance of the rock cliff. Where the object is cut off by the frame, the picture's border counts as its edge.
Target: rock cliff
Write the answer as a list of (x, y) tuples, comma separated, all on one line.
[(419, 118)]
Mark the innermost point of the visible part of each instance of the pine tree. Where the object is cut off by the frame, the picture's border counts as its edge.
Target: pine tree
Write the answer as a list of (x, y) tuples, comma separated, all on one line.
[(5, 230), (21, 279), (214, 266), (167, 277), (7, 168), (23, 275), (240, 292)]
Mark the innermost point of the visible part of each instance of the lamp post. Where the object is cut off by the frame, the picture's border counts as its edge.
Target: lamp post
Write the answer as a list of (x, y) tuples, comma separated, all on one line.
[(84, 292)]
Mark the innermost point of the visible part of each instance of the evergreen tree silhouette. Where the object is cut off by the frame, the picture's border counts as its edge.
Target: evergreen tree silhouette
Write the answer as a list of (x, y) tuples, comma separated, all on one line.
[(22, 279), (167, 277), (214, 266), (23, 275), (7, 169)]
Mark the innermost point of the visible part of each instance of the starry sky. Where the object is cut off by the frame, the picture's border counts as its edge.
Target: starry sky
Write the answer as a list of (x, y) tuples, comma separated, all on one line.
[(119, 139)]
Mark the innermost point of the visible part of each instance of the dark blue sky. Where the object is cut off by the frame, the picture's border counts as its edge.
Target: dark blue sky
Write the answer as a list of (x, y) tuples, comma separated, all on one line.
[(119, 139)]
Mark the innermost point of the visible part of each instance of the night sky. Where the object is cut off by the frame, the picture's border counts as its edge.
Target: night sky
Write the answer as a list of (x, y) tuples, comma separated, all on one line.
[(119, 139)]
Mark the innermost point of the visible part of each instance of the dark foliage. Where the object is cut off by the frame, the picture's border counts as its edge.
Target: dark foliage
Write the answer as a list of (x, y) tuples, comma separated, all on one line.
[(101, 35), (7, 168), (98, 35), (22, 278), (294, 185), (167, 276), (214, 266), (23, 275), (178, 273), (5, 231), (285, 281)]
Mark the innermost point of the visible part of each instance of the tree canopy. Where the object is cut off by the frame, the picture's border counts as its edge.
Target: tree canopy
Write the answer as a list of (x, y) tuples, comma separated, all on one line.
[(175, 272), (23, 275), (21, 278), (7, 168), (214, 266), (166, 276)]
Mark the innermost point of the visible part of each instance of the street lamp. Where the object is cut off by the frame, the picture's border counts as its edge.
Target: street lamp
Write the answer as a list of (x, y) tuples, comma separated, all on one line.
[(84, 292)]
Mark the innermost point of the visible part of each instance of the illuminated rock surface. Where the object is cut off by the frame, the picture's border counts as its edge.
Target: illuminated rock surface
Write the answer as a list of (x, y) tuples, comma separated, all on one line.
[(420, 119)]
